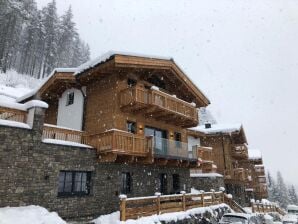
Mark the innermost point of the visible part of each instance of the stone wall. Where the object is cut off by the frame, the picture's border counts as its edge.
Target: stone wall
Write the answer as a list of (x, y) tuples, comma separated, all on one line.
[(207, 183), (30, 169)]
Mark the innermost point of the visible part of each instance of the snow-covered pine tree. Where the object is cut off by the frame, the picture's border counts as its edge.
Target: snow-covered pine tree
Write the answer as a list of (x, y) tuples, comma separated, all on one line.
[(293, 195), (50, 26), (283, 193)]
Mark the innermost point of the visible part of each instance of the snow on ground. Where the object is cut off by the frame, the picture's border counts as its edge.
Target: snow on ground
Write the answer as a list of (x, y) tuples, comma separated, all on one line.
[(114, 218), (28, 215)]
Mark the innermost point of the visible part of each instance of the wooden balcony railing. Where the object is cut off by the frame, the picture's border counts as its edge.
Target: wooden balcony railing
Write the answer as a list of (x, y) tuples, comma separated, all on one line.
[(237, 174), (159, 105), (204, 154), (259, 170), (169, 149), (133, 208), (119, 142), (64, 134), (240, 151), (13, 114), (258, 207)]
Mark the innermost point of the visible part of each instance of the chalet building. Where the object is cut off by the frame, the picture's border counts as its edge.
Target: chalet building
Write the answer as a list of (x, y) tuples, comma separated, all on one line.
[(121, 124), (116, 125), (228, 155)]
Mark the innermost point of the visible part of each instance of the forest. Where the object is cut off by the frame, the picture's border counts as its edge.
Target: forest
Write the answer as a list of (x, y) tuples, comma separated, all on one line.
[(35, 41)]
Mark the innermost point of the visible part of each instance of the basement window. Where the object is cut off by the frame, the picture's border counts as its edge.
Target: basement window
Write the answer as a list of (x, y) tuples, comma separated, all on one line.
[(74, 183), (70, 98), (126, 183)]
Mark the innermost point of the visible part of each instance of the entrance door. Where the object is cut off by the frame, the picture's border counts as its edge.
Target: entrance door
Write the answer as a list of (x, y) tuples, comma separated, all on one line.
[(160, 139), (163, 183)]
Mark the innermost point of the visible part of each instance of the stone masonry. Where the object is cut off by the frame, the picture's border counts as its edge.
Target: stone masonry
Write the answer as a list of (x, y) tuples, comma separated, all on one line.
[(30, 169)]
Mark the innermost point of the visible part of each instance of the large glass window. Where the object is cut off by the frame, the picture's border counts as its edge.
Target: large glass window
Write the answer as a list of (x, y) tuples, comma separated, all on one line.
[(74, 183), (160, 139)]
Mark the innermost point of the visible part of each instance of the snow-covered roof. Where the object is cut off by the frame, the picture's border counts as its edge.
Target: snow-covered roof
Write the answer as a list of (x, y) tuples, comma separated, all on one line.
[(34, 91), (254, 154), (23, 107), (218, 128), (103, 58)]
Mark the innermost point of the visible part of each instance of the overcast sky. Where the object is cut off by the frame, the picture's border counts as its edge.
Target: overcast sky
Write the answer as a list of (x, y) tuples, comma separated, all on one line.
[(242, 54)]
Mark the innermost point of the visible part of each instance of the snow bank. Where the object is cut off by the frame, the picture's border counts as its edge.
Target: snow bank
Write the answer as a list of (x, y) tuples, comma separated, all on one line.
[(218, 128), (62, 142), (158, 219), (28, 215), (205, 175), (14, 124)]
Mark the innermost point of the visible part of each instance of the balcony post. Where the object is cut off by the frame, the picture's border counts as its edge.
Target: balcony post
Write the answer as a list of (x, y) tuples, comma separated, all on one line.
[(123, 207), (157, 194)]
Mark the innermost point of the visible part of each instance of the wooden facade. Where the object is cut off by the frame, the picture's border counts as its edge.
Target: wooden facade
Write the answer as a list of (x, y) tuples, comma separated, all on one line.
[(152, 95)]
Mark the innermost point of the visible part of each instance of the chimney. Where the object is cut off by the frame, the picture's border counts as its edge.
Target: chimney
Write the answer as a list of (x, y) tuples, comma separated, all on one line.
[(207, 125)]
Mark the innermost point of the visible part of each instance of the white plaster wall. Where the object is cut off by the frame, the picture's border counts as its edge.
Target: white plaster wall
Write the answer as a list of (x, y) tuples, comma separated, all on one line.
[(71, 116), (193, 141)]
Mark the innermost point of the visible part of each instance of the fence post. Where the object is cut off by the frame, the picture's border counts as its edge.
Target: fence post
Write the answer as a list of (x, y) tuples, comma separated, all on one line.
[(183, 200), (123, 207), (203, 198), (212, 196), (157, 194)]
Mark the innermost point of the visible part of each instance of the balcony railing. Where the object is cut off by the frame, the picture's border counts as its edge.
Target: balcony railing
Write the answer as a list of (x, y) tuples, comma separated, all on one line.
[(240, 151), (159, 105), (13, 114), (64, 134), (259, 170), (237, 174), (170, 149), (119, 142)]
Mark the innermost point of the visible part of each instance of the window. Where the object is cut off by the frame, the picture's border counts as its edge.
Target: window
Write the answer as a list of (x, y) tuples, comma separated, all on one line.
[(74, 183), (131, 82), (131, 127), (178, 138), (70, 98), (176, 183), (163, 183), (126, 183)]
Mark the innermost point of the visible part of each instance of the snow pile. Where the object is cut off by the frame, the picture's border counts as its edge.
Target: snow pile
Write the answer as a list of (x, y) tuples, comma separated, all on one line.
[(62, 142), (211, 175), (163, 218), (254, 154), (28, 215), (218, 128), (15, 124)]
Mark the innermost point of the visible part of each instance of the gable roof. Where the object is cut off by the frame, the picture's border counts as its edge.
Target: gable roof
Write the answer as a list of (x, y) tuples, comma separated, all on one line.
[(126, 60)]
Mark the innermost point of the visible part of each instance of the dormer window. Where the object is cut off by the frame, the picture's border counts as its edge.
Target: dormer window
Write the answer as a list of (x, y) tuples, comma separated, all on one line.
[(70, 98)]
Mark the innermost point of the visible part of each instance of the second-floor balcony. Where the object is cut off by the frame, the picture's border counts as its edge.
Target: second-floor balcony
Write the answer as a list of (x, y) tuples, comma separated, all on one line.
[(240, 151), (159, 105), (237, 174)]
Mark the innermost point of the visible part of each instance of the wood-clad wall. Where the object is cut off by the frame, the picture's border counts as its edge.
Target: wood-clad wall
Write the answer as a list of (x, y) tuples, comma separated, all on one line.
[(52, 112)]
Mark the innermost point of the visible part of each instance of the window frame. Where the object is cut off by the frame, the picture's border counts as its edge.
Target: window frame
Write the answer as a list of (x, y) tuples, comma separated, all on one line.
[(133, 124), (126, 184), (73, 184), (70, 98)]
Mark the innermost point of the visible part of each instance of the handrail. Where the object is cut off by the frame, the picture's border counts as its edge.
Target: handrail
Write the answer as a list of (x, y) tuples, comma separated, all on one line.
[(259, 207), (13, 114), (131, 208), (118, 141), (157, 98), (65, 134)]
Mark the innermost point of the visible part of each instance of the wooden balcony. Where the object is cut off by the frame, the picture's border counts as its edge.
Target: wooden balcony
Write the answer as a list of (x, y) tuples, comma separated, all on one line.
[(64, 134), (236, 175), (240, 151), (205, 158), (119, 142), (261, 191), (259, 170), (158, 105), (13, 114)]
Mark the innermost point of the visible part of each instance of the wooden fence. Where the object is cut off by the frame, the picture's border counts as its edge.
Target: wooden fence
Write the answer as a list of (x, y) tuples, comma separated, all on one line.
[(13, 114), (266, 208), (133, 208)]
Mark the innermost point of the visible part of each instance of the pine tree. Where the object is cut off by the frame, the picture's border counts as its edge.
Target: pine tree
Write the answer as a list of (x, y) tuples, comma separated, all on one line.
[(283, 193), (293, 195)]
